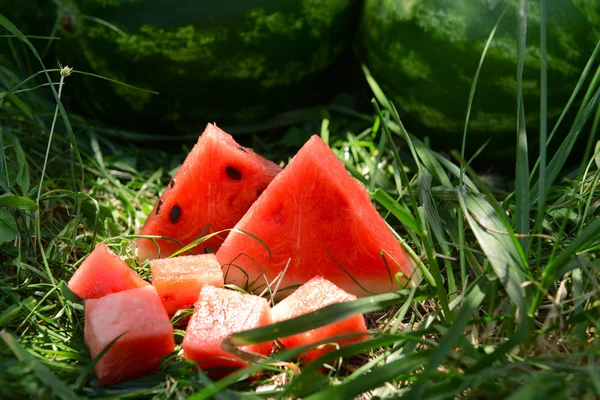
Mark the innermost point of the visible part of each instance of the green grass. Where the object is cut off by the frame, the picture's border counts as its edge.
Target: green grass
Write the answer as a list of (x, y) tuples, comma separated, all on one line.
[(507, 307)]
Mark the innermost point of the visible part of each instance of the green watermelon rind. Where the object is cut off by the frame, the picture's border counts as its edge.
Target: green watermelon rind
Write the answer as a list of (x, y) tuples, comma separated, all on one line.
[(262, 59), (424, 54)]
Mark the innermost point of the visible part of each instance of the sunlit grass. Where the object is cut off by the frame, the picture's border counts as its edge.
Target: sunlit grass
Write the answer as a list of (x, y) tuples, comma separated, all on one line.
[(508, 303)]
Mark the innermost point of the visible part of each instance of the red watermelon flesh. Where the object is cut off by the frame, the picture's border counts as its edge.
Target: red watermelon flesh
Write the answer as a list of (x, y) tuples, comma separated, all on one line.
[(217, 314), (103, 272), (317, 215), (313, 295), (178, 280), (148, 338), (213, 188)]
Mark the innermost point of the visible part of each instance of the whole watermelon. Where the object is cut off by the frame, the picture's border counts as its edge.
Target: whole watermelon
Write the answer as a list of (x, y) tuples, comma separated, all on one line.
[(424, 54), (224, 61)]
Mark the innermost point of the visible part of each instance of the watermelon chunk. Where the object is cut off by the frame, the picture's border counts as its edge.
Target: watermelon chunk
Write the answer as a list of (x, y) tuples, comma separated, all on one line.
[(217, 314), (103, 272), (148, 334), (313, 295), (317, 215), (213, 188), (178, 280)]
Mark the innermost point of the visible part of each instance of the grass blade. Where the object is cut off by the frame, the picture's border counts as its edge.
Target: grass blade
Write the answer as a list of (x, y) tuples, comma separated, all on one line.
[(454, 333), (403, 215), (315, 319), (522, 172), (588, 106), (42, 372), (424, 234), (377, 377), (580, 83), (497, 246), (591, 232), (543, 129)]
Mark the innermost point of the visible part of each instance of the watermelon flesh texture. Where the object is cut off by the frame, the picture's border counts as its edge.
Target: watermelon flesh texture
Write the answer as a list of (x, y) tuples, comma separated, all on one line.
[(313, 295), (316, 215), (179, 280), (102, 273), (211, 191), (217, 314), (148, 334)]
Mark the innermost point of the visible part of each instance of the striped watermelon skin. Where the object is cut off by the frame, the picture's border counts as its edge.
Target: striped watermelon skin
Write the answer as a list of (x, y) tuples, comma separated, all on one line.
[(424, 54), (224, 61)]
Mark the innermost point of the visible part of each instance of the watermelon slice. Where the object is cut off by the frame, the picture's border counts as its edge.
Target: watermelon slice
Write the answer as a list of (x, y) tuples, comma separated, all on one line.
[(103, 272), (313, 295), (217, 314), (213, 188), (148, 334), (316, 215), (178, 280)]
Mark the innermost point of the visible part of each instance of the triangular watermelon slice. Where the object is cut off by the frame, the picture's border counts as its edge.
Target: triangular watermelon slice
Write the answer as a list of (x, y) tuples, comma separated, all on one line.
[(316, 215), (213, 188)]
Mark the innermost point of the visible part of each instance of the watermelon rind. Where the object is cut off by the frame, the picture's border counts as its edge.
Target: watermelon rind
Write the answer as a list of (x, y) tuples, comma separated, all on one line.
[(424, 55), (225, 61)]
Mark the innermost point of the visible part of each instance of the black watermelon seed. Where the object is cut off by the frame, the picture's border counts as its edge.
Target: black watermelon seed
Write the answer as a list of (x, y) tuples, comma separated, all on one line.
[(242, 149), (233, 173), (172, 183), (159, 206), (175, 214)]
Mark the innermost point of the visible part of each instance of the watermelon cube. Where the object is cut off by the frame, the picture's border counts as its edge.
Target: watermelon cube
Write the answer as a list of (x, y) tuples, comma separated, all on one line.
[(178, 280), (212, 190), (138, 315), (103, 272), (217, 314), (313, 295)]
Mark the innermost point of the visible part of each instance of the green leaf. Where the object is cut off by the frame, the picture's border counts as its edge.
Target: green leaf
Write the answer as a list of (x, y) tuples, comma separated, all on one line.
[(12, 201), (8, 227), (497, 245)]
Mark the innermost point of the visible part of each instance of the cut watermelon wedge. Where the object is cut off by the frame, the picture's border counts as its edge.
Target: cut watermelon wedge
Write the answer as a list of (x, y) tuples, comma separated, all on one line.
[(313, 295), (217, 314), (318, 217), (213, 188), (103, 272), (178, 280), (147, 334)]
